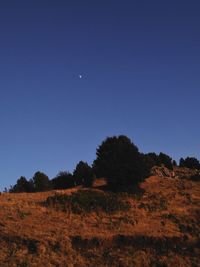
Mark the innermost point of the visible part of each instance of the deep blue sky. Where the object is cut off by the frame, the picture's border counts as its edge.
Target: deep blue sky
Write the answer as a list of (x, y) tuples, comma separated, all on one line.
[(140, 62)]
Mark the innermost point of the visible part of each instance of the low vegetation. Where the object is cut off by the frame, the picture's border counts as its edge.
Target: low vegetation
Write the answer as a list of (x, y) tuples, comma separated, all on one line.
[(84, 201), (92, 227)]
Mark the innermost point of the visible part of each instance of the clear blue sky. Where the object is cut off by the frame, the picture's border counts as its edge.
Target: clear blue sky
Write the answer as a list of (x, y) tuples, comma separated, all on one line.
[(140, 64)]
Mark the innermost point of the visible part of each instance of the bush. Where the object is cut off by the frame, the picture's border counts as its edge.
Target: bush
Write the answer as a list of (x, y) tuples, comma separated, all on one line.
[(83, 174), (22, 185), (41, 182), (119, 161), (63, 180), (88, 201), (152, 159), (189, 162), (165, 160)]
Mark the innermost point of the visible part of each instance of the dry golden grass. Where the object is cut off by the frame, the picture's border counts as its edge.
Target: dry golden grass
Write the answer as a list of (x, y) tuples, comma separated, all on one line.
[(160, 229)]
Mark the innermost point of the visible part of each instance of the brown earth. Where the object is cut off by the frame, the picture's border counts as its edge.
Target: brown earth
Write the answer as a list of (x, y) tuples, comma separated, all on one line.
[(160, 229)]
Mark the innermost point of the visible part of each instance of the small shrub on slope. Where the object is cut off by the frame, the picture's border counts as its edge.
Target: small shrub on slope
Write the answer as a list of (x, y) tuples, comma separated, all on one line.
[(88, 201)]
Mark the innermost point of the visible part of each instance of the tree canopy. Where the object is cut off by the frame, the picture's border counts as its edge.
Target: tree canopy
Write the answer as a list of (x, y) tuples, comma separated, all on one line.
[(83, 174), (119, 161), (63, 180), (41, 182), (190, 162)]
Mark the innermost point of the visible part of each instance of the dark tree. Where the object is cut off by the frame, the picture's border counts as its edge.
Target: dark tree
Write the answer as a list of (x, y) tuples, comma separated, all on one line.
[(181, 162), (22, 185), (174, 163), (151, 159), (119, 161), (41, 182), (63, 180), (190, 162), (83, 174), (165, 160)]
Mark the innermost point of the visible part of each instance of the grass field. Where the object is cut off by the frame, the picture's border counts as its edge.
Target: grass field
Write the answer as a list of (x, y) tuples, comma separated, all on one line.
[(157, 227)]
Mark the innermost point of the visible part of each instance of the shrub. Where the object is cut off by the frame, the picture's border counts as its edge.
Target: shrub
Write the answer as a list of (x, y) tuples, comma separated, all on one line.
[(189, 162), (41, 182), (22, 185), (152, 159), (63, 180), (83, 174), (165, 160), (88, 201)]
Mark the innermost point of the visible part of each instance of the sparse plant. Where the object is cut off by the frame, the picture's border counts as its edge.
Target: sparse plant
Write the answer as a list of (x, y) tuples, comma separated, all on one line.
[(156, 203), (23, 214)]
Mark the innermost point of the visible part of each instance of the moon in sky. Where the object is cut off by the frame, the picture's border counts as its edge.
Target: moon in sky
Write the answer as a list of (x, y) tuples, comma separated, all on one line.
[(80, 76)]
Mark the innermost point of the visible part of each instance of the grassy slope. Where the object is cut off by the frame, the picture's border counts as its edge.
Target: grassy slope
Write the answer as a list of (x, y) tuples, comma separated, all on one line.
[(161, 229)]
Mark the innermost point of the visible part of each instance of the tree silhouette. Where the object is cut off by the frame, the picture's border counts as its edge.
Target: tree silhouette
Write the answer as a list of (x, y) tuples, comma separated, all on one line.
[(119, 161), (150, 160), (22, 185), (41, 182), (63, 180), (189, 162), (181, 162), (83, 174), (165, 160)]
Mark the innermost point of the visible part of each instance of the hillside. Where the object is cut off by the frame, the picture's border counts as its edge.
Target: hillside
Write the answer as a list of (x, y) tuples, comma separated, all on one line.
[(160, 228)]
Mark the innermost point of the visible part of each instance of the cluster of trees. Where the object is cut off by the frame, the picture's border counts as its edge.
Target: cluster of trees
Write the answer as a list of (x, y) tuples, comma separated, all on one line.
[(190, 162), (39, 182), (82, 175), (117, 159), (152, 159)]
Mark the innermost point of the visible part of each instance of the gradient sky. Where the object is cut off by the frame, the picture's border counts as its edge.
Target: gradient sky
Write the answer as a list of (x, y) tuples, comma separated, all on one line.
[(140, 64)]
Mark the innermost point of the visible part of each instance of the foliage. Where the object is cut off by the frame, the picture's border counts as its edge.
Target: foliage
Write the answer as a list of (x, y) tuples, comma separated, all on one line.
[(165, 160), (88, 201), (152, 159), (83, 174), (22, 185), (41, 182), (63, 180), (190, 162), (119, 161)]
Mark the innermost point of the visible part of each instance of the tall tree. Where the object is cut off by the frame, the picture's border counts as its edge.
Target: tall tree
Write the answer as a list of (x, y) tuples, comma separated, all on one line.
[(83, 174), (22, 185), (165, 160), (41, 182), (119, 161), (190, 162)]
